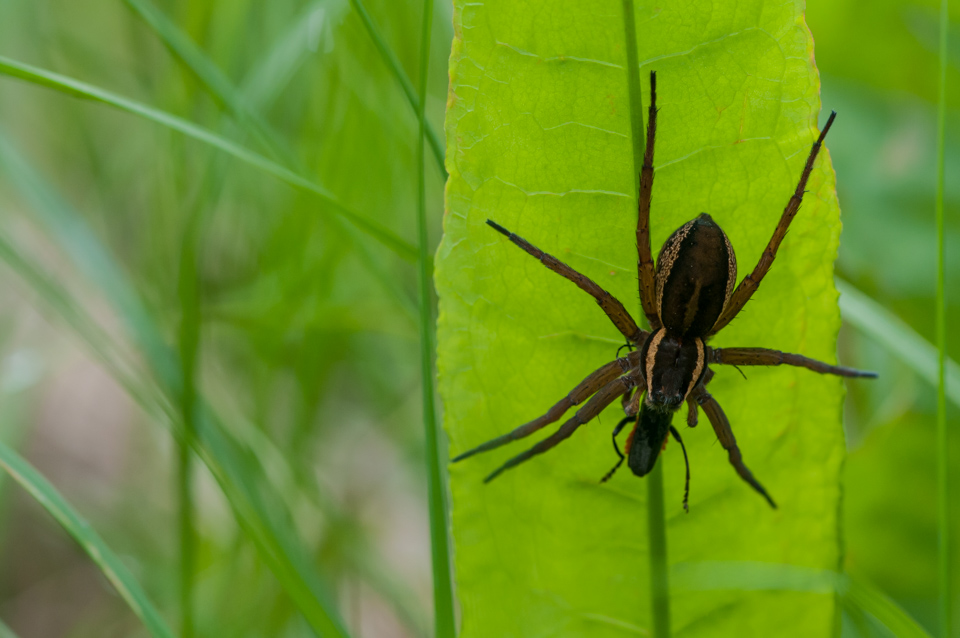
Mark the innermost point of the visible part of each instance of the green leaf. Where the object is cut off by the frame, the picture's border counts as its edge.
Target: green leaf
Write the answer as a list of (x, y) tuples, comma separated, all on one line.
[(538, 136), (112, 567)]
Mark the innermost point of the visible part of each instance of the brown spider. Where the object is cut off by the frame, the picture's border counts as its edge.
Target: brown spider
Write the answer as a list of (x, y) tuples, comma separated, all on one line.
[(687, 298)]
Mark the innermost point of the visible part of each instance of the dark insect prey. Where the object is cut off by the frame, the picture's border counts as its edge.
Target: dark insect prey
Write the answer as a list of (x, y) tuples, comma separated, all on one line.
[(687, 298)]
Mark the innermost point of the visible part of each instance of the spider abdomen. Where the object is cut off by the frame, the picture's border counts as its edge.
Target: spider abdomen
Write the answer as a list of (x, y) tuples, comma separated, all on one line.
[(696, 274)]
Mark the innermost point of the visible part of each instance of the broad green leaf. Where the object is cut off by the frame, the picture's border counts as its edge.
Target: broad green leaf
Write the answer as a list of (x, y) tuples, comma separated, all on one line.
[(539, 139)]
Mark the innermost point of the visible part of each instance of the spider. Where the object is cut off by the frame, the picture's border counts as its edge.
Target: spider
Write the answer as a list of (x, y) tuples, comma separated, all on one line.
[(687, 298)]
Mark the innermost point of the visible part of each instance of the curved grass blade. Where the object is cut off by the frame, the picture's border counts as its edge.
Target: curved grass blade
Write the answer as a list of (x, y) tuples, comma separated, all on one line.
[(239, 475), (416, 101), (265, 81), (873, 601), (277, 66), (744, 576), (209, 74), (6, 632), (82, 90), (894, 334), (112, 567)]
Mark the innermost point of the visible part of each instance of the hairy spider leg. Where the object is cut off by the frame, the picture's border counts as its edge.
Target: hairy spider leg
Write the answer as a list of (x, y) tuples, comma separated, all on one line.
[(750, 283), (645, 267), (691, 399), (607, 395), (691, 412), (767, 357), (686, 460), (594, 381), (721, 425), (616, 448), (610, 304)]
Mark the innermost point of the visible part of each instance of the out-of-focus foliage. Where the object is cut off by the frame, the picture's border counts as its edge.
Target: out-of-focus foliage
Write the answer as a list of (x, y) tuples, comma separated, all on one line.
[(307, 351), (878, 63)]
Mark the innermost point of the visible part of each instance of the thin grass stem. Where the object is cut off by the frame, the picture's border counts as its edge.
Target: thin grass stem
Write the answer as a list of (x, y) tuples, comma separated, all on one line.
[(943, 476), (185, 526), (436, 489), (189, 342), (659, 585), (416, 101), (656, 525)]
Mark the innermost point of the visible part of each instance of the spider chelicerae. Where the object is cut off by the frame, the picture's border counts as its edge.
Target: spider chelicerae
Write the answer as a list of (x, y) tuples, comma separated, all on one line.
[(687, 298)]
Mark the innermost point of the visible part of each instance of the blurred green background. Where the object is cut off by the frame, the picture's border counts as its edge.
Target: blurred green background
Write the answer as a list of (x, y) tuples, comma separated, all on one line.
[(118, 235)]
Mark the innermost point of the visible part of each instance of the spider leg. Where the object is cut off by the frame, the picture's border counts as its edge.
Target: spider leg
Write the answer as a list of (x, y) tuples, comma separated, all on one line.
[(766, 357), (597, 403), (631, 404), (749, 284), (645, 268), (691, 412), (721, 425), (594, 381), (686, 486), (610, 305), (616, 448), (692, 399)]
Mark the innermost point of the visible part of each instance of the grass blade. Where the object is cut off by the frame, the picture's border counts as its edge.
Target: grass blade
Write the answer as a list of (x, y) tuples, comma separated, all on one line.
[(6, 632), (82, 90), (264, 83), (943, 455), (278, 65), (873, 601), (416, 101), (260, 513), (189, 343), (209, 74), (444, 626), (856, 593), (656, 525), (898, 338), (112, 567), (659, 583)]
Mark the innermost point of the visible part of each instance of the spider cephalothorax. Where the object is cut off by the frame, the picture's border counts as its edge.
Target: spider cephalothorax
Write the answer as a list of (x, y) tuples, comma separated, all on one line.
[(687, 298)]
